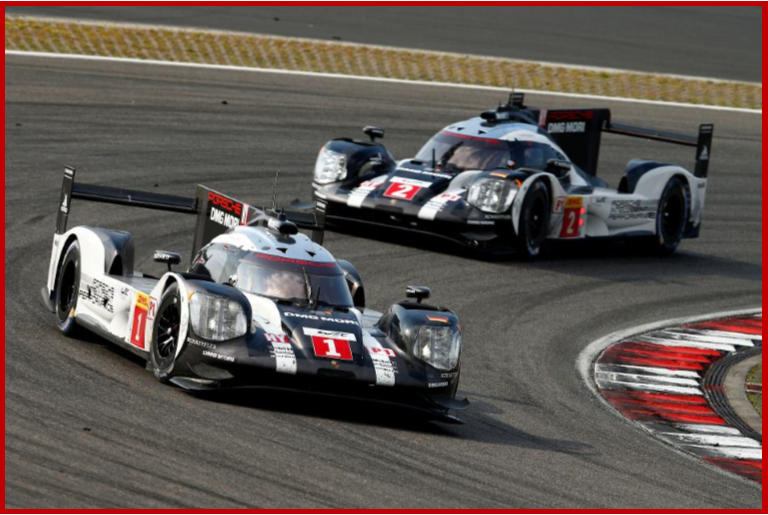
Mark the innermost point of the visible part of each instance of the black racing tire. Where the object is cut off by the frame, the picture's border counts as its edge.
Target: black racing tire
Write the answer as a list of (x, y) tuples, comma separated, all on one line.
[(672, 218), (68, 290), (165, 335), (534, 221)]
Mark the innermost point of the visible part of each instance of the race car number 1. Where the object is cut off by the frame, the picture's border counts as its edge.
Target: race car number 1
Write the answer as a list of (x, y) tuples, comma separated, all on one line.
[(402, 191), (140, 313), (331, 348)]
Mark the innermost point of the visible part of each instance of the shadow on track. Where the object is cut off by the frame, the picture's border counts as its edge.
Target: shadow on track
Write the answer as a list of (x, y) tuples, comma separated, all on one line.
[(607, 260)]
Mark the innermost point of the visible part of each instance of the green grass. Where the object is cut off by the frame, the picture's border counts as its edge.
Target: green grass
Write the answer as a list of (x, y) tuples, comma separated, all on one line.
[(258, 51)]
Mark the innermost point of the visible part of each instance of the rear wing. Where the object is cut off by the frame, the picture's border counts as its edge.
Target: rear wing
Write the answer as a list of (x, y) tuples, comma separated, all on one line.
[(579, 133), (216, 213)]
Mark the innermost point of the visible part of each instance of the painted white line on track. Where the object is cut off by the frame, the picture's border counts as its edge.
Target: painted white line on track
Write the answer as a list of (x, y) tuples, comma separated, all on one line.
[(377, 79)]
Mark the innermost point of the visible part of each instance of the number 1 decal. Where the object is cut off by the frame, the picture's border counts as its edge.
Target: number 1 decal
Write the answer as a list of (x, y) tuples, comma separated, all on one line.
[(139, 329), (331, 348)]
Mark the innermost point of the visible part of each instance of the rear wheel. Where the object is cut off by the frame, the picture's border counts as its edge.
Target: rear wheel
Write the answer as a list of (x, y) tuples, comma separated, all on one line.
[(672, 218), (534, 221), (68, 290), (166, 334)]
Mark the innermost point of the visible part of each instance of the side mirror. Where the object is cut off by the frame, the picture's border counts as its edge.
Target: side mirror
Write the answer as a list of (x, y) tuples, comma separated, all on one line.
[(169, 258), (374, 133), (558, 167), (420, 293)]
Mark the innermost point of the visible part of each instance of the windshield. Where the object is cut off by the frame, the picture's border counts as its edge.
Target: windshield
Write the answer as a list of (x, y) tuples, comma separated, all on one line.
[(458, 152), (290, 281)]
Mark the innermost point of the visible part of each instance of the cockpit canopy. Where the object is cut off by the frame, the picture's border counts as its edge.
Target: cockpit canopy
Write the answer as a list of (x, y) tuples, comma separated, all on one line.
[(459, 153), (282, 279)]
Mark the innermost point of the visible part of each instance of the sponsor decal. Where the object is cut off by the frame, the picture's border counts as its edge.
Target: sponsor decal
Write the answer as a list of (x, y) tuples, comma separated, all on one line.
[(100, 295), (277, 338), (226, 212), (321, 318), (218, 356), (567, 128), (139, 328), (283, 354), (632, 210), (152, 312), (449, 375), (500, 175), (381, 359), (438, 385), (428, 173), (441, 320), (65, 204), (382, 351), (565, 116), (202, 344), (559, 205), (574, 203)]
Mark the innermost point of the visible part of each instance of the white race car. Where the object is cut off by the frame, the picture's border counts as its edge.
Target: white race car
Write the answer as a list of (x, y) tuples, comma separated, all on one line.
[(514, 178), (262, 305)]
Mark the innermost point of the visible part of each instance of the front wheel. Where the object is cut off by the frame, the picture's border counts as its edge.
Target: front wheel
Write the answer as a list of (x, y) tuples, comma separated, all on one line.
[(534, 221), (672, 217), (166, 334), (68, 290)]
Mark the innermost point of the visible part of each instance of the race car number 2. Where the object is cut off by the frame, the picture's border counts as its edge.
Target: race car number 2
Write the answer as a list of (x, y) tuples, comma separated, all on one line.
[(401, 191), (332, 348)]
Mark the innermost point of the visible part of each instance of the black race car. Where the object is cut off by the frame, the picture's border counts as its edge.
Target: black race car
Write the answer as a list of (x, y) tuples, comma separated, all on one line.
[(514, 178)]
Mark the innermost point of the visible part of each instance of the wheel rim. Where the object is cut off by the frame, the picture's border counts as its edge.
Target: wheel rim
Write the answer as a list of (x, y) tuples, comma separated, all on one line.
[(168, 327), (67, 290), (671, 219), (536, 223)]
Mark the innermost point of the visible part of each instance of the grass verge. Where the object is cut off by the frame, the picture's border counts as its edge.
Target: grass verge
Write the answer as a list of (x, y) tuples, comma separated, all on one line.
[(332, 57)]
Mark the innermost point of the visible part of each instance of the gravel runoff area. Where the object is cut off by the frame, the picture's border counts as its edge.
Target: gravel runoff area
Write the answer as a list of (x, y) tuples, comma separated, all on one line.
[(755, 388), (256, 51)]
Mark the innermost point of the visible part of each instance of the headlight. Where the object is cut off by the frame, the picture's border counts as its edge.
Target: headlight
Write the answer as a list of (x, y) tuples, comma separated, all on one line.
[(439, 346), (492, 195), (217, 319), (331, 167)]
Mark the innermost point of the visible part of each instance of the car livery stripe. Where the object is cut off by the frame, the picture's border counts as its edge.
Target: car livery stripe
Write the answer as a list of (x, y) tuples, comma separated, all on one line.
[(661, 381), (359, 194), (382, 361), (431, 209)]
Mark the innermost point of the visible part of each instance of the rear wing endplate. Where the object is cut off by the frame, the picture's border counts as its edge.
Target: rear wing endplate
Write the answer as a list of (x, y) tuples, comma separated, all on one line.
[(216, 213)]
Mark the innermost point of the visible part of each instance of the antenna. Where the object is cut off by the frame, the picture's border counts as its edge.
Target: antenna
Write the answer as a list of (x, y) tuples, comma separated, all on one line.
[(274, 193)]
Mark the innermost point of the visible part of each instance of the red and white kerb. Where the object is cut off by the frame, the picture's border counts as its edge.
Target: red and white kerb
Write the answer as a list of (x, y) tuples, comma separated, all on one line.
[(657, 380)]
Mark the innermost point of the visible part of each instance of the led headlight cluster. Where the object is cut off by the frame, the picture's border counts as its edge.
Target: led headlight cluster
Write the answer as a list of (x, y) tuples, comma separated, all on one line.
[(331, 167), (217, 319), (492, 195), (439, 346)]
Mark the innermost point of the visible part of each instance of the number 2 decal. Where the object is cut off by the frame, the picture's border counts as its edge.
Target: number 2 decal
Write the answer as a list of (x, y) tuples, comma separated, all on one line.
[(402, 191), (572, 221), (332, 348)]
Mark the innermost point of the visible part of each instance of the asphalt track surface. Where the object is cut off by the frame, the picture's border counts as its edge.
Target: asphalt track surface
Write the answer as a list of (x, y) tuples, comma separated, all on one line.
[(88, 427), (720, 42)]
